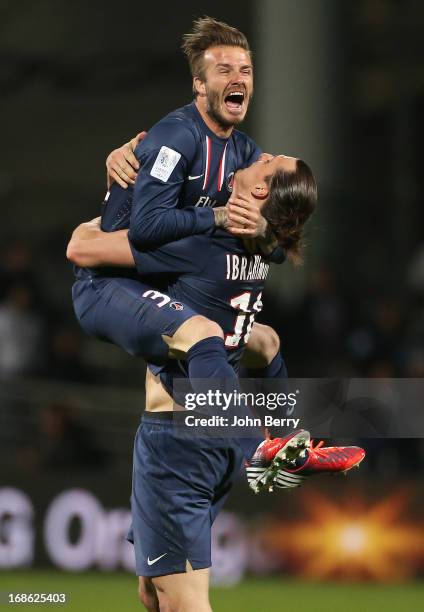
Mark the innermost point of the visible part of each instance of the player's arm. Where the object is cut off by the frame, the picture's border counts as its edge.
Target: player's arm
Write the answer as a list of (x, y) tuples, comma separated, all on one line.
[(122, 167), (164, 157), (90, 247), (155, 218), (174, 258)]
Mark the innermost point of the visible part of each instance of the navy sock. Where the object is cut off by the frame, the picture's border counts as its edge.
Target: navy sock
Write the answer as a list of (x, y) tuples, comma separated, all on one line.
[(275, 369), (207, 359)]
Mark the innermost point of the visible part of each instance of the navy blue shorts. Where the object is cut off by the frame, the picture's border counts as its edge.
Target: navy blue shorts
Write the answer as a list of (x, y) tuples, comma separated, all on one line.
[(179, 486), (129, 314)]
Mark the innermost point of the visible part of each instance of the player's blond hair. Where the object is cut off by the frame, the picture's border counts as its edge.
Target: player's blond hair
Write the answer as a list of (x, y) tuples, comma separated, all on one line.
[(208, 32)]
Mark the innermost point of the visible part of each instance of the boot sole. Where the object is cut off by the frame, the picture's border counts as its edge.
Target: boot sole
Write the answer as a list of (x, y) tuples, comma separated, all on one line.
[(285, 458)]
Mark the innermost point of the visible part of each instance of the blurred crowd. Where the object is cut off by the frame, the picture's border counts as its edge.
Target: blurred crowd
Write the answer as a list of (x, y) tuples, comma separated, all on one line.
[(58, 439), (37, 337), (339, 331)]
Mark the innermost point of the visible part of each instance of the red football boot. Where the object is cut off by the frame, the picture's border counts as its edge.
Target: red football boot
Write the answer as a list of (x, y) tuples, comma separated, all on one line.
[(273, 456), (327, 460)]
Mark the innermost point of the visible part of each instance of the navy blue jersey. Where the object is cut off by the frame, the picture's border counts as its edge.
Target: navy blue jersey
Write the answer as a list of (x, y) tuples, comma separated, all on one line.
[(185, 170), (215, 277)]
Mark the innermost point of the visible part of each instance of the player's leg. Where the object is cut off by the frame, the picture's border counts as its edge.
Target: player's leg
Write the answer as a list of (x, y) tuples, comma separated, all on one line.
[(262, 346), (262, 353), (129, 314), (202, 343), (262, 356), (155, 400), (139, 319), (189, 333), (147, 594), (190, 591), (263, 360), (173, 489), (148, 323), (187, 592)]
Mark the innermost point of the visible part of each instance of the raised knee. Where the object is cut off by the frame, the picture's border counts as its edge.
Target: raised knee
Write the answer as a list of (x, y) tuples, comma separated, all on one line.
[(205, 328), (264, 343), (272, 343)]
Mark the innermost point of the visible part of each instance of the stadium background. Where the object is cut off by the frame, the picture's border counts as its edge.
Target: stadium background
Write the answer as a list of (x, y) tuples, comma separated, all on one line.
[(338, 83)]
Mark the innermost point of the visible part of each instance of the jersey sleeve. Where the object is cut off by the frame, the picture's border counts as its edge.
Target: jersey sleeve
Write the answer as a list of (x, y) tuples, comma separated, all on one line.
[(185, 256), (164, 158)]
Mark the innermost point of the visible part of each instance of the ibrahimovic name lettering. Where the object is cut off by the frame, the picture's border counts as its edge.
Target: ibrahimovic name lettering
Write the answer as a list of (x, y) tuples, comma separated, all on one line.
[(246, 267)]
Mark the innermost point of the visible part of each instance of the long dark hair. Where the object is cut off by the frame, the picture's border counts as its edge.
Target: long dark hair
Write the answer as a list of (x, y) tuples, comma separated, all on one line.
[(291, 201)]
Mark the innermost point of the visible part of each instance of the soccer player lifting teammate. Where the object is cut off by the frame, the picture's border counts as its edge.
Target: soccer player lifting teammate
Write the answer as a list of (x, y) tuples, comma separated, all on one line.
[(188, 161)]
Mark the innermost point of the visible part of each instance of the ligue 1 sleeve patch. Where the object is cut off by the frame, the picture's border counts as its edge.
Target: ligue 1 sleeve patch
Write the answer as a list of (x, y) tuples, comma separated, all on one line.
[(164, 164)]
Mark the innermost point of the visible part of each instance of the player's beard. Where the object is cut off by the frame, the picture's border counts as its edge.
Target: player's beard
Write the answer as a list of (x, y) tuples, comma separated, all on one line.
[(214, 111)]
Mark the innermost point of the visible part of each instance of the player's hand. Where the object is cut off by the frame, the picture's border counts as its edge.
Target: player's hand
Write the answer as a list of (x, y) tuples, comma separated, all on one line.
[(244, 217), (122, 165)]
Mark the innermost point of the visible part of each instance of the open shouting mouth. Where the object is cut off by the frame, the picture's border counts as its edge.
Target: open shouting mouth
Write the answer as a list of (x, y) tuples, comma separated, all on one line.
[(234, 101)]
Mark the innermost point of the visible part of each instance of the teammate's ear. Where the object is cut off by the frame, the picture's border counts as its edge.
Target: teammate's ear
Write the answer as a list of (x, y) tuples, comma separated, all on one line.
[(260, 191), (199, 86)]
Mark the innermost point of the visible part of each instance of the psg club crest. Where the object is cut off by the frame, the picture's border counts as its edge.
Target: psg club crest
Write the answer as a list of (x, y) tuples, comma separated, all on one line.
[(230, 182), (176, 305)]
